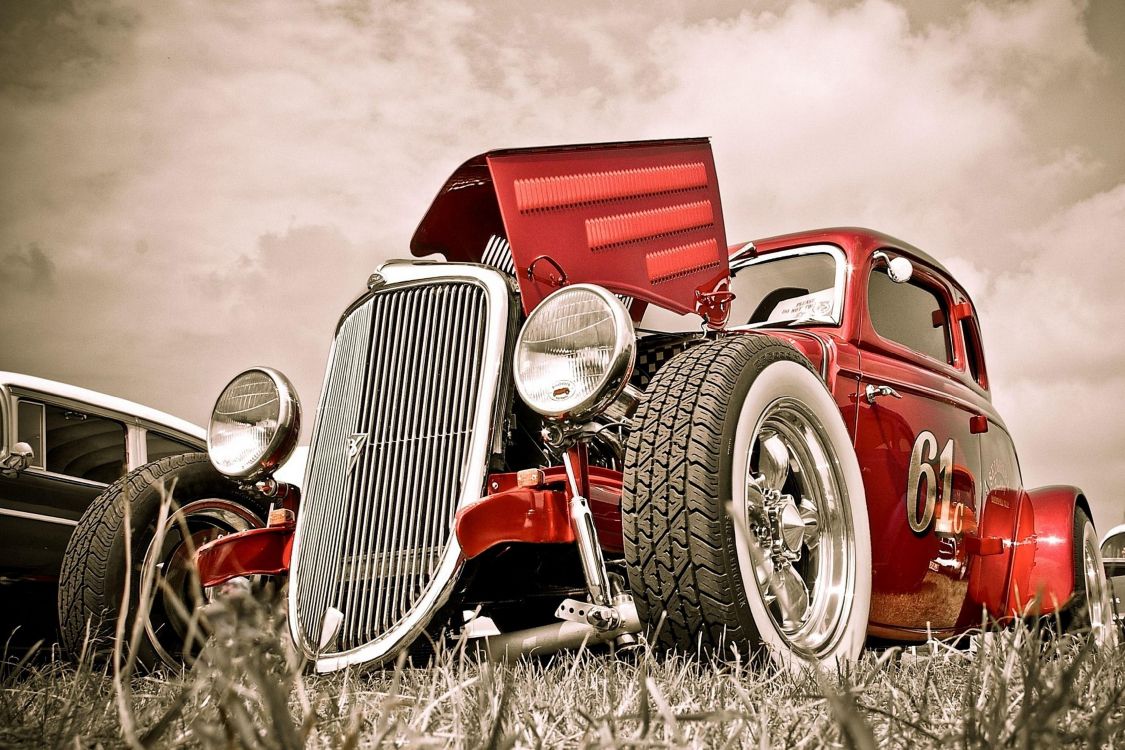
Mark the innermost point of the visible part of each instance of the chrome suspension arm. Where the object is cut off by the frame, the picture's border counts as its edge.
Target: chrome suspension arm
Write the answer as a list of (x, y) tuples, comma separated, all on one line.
[(586, 536)]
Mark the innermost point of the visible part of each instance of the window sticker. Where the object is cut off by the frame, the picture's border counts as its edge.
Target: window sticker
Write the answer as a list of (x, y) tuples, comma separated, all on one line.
[(813, 306)]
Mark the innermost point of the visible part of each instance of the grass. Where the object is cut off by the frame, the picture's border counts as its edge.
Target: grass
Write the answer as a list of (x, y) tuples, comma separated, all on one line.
[(1018, 687), (249, 689)]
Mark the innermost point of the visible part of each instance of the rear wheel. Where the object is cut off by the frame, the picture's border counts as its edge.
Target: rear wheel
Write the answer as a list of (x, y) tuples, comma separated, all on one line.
[(1090, 609), (744, 514), (202, 505)]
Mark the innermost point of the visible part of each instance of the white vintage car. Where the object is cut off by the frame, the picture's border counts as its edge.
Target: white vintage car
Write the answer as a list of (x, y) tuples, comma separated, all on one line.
[(60, 447)]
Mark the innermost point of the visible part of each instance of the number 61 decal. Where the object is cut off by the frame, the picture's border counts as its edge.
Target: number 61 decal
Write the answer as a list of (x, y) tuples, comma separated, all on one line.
[(922, 467)]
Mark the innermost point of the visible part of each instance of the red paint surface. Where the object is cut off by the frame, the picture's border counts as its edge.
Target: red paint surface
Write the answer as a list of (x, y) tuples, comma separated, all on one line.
[(539, 514), (522, 514), (264, 551), (1050, 573), (603, 219), (920, 580), (642, 219), (1022, 591), (639, 219)]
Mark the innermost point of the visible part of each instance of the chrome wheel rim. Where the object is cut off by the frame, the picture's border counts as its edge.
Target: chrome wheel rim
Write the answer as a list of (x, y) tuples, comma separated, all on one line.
[(175, 586), (801, 538), (1097, 589)]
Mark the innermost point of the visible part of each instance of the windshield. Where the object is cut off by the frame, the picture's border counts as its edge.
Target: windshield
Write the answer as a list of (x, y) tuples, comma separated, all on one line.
[(791, 287)]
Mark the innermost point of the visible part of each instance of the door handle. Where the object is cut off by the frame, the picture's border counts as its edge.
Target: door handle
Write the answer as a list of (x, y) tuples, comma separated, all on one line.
[(873, 392)]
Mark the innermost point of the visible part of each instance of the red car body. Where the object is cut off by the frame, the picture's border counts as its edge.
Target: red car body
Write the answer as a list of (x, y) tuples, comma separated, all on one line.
[(985, 544)]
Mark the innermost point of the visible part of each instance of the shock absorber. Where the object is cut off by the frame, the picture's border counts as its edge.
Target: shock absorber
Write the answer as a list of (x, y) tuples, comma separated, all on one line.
[(603, 615)]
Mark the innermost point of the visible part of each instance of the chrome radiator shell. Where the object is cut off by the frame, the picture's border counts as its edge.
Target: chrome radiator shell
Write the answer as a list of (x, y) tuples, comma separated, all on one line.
[(413, 400)]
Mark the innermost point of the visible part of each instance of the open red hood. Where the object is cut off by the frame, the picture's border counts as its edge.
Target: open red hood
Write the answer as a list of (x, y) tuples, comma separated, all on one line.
[(642, 219)]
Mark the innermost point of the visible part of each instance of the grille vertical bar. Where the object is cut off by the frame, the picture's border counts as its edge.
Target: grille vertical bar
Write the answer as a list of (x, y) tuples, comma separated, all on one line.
[(403, 423)]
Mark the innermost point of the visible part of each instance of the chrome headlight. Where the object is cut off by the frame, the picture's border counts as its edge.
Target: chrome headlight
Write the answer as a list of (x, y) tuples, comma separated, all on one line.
[(575, 352), (254, 425)]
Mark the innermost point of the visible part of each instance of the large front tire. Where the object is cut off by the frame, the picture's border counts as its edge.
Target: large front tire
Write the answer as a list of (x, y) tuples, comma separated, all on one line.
[(744, 515), (91, 585)]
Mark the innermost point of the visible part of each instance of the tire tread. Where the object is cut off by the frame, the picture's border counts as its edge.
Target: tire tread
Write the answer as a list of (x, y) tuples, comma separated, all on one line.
[(87, 601), (676, 526)]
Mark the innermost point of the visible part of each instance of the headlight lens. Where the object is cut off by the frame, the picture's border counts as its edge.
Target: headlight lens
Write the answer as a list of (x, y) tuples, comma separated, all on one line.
[(254, 425), (575, 352)]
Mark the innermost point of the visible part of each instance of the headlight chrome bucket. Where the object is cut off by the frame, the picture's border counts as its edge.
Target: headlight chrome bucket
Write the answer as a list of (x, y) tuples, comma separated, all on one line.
[(255, 424), (575, 353)]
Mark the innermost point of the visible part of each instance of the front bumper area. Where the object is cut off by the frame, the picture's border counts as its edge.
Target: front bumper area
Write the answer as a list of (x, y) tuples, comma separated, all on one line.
[(533, 515), (264, 551), (537, 513)]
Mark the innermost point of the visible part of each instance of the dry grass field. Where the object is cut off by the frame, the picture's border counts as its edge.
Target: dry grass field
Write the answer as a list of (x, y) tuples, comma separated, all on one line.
[(1013, 688)]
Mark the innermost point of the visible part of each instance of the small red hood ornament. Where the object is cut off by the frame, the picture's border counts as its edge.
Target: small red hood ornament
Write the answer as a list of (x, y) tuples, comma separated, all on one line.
[(643, 219)]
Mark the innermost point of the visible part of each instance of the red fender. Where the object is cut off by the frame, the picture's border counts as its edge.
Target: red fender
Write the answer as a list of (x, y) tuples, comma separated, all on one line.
[(1050, 575), (264, 551), (538, 514)]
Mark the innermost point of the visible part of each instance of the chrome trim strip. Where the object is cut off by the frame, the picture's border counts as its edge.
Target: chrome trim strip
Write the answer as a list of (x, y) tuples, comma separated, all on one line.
[(37, 517), (746, 248), (7, 423), (36, 471), (823, 350), (136, 449), (402, 537), (93, 402)]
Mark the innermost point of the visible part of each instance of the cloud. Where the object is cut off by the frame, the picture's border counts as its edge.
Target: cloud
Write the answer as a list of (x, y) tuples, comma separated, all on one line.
[(848, 116), (1051, 327), (212, 183), (27, 269), (1069, 432), (85, 38), (1050, 304)]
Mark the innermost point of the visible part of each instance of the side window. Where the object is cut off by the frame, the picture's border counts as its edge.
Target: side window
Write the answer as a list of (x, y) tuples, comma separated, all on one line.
[(974, 352), (161, 446), (1114, 547), (74, 443), (29, 429), (911, 315)]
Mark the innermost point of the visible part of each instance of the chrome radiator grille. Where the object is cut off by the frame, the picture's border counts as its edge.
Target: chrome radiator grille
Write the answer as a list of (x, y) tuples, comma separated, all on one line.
[(401, 441)]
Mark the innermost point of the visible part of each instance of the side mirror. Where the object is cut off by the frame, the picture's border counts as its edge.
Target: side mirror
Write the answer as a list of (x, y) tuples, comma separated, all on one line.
[(900, 269), (17, 460)]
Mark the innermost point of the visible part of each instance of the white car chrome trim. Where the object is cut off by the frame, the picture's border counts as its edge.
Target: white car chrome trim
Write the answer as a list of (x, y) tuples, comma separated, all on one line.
[(38, 472), (53, 390), (37, 517)]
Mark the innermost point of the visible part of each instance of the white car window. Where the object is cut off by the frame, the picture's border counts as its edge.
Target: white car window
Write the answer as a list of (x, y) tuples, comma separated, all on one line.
[(72, 442)]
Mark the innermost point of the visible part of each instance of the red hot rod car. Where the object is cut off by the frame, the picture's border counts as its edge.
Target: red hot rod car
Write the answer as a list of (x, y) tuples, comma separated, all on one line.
[(596, 419)]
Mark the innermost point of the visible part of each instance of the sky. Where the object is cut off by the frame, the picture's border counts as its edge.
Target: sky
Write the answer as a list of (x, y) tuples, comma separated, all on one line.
[(193, 188)]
